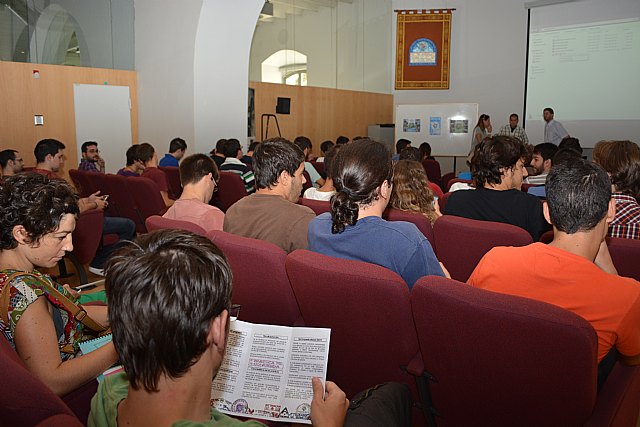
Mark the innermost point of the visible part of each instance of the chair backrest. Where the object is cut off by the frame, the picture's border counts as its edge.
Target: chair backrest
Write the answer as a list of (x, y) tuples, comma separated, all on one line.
[(230, 189), (501, 360), (319, 166), (368, 310), (445, 180), (421, 221), (173, 180), (318, 206), (442, 202), (87, 235), (96, 181), (625, 254), (260, 282), (146, 195), (156, 222), (80, 181), (432, 168), (121, 199), (462, 242), (307, 182)]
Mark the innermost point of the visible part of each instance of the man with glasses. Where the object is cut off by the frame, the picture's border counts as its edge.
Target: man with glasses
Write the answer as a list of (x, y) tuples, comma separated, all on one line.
[(11, 162), (91, 160), (199, 176)]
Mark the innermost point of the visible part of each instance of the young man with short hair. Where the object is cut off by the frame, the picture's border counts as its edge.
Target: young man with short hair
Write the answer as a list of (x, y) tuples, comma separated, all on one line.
[(134, 166), (513, 129), (232, 163), (177, 148), (541, 162), (91, 160), (11, 162)]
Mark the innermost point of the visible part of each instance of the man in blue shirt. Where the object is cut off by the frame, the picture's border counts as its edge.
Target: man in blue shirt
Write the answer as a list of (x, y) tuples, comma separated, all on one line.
[(177, 148)]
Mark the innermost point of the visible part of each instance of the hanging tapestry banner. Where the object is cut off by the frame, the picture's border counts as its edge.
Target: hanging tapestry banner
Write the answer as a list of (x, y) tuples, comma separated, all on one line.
[(423, 49)]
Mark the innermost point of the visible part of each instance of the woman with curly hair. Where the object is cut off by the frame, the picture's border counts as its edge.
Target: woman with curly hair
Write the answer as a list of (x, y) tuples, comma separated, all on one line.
[(37, 217), (411, 190), (354, 229)]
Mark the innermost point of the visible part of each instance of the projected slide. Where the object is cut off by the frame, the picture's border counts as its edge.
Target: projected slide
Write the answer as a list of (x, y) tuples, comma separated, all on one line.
[(585, 72)]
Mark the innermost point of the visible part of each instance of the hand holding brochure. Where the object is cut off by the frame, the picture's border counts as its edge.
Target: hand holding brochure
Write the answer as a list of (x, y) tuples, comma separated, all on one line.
[(267, 371)]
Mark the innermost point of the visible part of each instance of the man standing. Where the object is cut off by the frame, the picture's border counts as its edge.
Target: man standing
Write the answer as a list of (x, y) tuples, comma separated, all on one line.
[(271, 213), (575, 270), (554, 132), (232, 163), (514, 130), (541, 162), (91, 160), (11, 162), (177, 148)]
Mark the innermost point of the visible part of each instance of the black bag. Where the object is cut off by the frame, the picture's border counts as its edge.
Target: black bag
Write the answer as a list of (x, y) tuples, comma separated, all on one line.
[(385, 405)]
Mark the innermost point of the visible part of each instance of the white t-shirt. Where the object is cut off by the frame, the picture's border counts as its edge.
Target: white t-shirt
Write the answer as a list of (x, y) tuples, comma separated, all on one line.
[(313, 193)]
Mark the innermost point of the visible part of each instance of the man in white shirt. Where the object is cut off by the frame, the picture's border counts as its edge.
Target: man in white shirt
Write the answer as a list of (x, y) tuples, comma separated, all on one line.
[(554, 132)]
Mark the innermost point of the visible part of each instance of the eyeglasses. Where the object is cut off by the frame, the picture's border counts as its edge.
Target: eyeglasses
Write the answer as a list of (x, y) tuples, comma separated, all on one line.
[(215, 184), (234, 312)]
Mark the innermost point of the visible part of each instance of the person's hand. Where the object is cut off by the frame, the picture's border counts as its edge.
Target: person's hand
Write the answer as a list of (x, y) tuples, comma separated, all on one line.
[(445, 271), (100, 202), (100, 163), (329, 410), (72, 291), (489, 129)]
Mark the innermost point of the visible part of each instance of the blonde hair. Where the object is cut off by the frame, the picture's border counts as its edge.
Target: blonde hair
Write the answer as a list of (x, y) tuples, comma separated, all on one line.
[(411, 190)]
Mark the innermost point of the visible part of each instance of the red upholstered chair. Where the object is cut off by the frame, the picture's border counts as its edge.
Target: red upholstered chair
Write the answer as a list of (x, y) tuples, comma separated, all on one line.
[(319, 166), (500, 360), (173, 180), (445, 180), (318, 206), (121, 200), (307, 182), (432, 168), (368, 310), (547, 237), (80, 181), (462, 242), (156, 222), (230, 189), (416, 218), (146, 196), (260, 282), (87, 238), (625, 254), (442, 202), (60, 420)]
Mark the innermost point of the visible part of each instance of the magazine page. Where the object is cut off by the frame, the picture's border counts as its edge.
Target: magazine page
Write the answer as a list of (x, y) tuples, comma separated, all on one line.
[(267, 371)]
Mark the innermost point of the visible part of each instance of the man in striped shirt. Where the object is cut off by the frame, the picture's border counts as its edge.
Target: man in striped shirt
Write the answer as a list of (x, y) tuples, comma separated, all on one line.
[(232, 163)]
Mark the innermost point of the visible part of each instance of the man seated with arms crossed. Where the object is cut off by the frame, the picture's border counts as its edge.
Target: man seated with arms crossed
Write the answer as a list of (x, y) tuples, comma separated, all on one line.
[(271, 213), (574, 271), (498, 168), (11, 162), (541, 162), (198, 175), (172, 341)]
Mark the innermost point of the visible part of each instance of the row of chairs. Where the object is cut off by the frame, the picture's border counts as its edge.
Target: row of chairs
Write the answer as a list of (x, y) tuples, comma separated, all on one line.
[(471, 357)]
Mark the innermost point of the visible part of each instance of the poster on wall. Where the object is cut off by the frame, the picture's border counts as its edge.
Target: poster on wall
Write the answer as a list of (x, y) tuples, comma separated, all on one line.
[(458, 126), (435, 124), (411, 125), (423, 49)]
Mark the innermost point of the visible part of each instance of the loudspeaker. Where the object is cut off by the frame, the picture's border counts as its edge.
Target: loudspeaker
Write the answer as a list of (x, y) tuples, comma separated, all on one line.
[(283, 106)]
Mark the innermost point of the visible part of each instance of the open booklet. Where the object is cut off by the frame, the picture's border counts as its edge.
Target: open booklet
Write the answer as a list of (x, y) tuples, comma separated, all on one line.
[(267, 371)]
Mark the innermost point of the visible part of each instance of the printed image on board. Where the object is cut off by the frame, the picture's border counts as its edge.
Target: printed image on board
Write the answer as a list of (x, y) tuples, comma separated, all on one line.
[(411, 125), (435, 125), (458, 126)]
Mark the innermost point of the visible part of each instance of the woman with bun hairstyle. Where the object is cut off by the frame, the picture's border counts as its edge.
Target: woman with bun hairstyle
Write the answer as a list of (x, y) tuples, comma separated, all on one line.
[(354, 229)]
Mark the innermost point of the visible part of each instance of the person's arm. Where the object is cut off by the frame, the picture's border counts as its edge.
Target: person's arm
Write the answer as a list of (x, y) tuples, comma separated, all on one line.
[(328, 410), (94, 201), (313, 174), (603, 259), (165, 197), (37, 346)]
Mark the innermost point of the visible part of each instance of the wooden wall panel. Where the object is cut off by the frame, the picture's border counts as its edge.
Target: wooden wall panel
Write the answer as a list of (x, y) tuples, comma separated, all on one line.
[(321, 113), (22, 97)]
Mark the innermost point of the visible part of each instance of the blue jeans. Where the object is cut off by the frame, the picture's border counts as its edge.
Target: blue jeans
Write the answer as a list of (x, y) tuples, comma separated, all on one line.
[(126, 231)]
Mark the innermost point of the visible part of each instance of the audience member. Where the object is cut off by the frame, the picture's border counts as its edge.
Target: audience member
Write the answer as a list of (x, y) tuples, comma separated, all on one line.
[(91, 160), (401, 144), (198, 175), (327, 190), (498, 170), (232, 163), (411, 191), (147, 154), (564, 155), (571, 142), (621, 160), (271, 213), (134, 166), (425, 152), (574, 271), (541, 162), (11, 162), (248, 157), (410, 153), (554, 132), (354, 229), (37, 217), (177, 148), (342, 140), (513, 129), (480, 132), (218, 152), (304, 144), (179, 342), (324, 148)]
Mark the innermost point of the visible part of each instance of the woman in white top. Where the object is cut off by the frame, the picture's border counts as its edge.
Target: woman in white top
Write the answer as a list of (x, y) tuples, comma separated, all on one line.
[(327, 190), (480, 132)]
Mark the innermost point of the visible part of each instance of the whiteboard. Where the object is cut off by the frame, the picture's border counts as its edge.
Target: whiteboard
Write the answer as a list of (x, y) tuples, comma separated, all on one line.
[(103, 114), (447, 127)]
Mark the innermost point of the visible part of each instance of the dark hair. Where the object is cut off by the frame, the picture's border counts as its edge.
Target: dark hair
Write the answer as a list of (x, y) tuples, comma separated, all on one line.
[(85, 145), (425, 150), (253, 145), (564, 155), (329, 160), (549, 109), (272, 157), (132, 154), (326, 146), (359, 169), (493, 156), (194, 167), (411, 153), (571, 142), (220, 146), (45, 147), (621, 159), (578, 195), (303, 143), (177, 144), (341, 140), (514, 115), (231, 148), (402, 144), (481, 120), (164, 290), (145, 152), (35, 202), (6, 155), (546, 150)]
